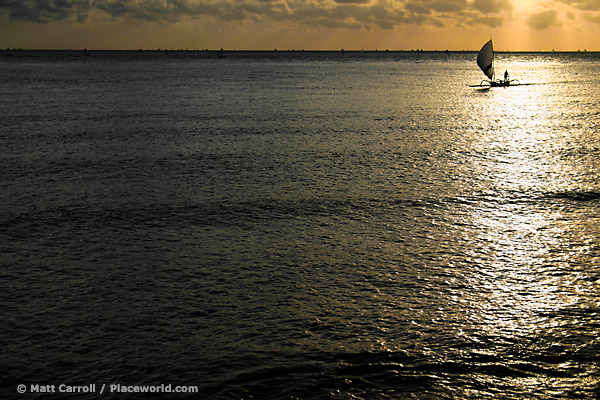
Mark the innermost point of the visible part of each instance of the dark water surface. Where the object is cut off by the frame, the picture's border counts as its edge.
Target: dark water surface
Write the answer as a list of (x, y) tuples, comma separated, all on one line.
[(300, 225)]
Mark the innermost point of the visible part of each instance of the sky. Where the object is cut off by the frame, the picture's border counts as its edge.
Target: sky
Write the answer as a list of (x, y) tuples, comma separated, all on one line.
[(529, 25)]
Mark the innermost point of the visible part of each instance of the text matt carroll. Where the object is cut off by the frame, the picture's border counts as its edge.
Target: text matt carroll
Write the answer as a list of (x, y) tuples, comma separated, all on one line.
[(64, 388)]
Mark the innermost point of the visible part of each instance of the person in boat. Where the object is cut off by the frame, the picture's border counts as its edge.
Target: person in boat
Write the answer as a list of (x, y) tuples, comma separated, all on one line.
[(506, 76)]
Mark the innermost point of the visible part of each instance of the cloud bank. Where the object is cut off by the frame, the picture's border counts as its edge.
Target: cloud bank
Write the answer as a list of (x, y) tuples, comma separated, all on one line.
[(44, 11), (350, 14), (353, 14)]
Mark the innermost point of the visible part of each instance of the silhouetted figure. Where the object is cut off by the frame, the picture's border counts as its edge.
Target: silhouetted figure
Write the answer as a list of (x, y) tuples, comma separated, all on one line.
[(505, 76)]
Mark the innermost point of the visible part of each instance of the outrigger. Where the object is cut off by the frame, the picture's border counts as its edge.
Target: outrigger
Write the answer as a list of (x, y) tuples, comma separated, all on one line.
[(485, 61)]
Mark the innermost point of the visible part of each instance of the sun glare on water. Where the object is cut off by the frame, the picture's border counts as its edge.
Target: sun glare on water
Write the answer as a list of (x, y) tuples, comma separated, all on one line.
[(523, 242)]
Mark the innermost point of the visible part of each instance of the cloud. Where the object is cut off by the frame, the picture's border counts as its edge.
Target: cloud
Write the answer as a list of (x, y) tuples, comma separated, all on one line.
[(352, 1), (492, 6), (586, 5), (350, 14), (591, 18), (353, 16), (427, 7), (543, 20), (492, 22), (42, 11)]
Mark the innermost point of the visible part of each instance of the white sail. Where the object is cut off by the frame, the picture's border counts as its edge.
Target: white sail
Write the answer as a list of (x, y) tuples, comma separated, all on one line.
[(485, 59)]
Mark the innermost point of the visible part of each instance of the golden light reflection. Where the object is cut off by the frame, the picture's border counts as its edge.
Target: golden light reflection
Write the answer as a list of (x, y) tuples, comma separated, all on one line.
[(519, 271), (523, 246)]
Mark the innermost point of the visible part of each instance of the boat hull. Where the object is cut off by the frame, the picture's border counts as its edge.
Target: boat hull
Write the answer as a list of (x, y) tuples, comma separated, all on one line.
[(499, 83)]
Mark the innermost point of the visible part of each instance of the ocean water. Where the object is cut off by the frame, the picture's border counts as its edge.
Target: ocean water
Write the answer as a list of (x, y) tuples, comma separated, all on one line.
[(299, 225)]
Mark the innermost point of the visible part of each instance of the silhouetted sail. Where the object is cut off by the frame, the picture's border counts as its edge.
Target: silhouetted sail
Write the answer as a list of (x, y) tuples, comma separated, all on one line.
[(485, 59)]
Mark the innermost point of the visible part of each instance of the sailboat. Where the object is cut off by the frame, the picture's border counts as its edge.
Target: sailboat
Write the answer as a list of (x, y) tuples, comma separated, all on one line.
[(485, 61)]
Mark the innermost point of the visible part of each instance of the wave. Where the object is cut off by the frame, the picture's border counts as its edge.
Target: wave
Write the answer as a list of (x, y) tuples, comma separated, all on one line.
[(248, 212), (522, 196), (383, 375), (576, 195)]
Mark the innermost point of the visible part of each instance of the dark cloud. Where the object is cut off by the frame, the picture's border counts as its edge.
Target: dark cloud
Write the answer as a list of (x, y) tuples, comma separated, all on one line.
[(353, 1), (592, 18), (347, 16), (586, 5), (42, 11), (427, 7), (352, 14), (115, 8), (492, 6), (543, 20)]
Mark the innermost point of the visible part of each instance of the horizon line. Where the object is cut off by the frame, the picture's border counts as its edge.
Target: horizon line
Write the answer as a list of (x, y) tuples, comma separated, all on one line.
[(273, 50)]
